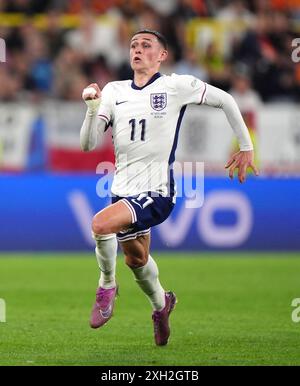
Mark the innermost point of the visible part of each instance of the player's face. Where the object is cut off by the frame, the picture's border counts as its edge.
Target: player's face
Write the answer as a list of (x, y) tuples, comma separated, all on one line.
[(146, 53)]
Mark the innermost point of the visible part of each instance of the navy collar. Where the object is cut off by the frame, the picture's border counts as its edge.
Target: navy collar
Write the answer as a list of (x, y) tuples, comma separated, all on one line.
[(151, 80)]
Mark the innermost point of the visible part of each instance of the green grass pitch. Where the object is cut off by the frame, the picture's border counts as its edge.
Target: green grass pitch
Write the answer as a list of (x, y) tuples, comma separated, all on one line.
[(232, 310)]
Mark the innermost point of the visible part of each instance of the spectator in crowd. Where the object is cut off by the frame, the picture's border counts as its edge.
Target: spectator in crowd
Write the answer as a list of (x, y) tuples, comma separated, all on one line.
[(99, 70), (67, 68), (248, 100), (41, 61), (54, 33), (86, 39), (163, 8), (216, 66), (190, 64), (235, 11), (266, 48), (41, 68), (10, 85)]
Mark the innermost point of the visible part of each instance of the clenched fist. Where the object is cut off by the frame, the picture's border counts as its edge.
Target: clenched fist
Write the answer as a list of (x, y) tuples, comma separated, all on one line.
[(92, 91), (91, 95)]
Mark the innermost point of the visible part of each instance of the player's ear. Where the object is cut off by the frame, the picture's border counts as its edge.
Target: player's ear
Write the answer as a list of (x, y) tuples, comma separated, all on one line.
[(163, 56)]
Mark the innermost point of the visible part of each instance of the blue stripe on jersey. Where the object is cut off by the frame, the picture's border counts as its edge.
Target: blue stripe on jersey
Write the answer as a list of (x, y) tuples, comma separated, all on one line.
[(171, 182), (151, 80)]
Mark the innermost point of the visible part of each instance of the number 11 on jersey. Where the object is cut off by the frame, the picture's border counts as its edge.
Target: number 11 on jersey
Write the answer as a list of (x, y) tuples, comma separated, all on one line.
[(142, 124)]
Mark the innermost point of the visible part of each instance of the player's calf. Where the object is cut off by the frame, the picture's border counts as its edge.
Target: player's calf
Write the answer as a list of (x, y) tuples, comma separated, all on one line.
[(136, 251)]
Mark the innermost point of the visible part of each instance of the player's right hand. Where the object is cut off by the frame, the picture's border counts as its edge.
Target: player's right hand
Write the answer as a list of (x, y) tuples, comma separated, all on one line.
[(91, 95), (92, 91)]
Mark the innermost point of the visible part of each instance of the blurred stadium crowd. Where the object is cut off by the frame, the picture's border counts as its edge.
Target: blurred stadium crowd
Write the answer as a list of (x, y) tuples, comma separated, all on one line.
[(77, 42)]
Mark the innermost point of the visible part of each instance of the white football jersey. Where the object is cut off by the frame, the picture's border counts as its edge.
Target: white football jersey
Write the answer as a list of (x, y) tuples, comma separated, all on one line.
[(145, 127)]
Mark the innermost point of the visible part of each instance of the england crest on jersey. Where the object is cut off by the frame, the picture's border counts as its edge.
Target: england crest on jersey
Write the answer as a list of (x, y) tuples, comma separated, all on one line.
[(158, 101)]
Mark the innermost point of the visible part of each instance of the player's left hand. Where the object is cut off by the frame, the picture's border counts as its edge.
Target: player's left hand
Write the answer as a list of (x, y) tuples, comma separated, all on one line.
[(241, 161)]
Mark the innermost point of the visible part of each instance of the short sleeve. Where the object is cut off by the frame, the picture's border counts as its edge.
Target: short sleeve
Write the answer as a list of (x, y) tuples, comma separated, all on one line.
[(190, 90), (105, 111)]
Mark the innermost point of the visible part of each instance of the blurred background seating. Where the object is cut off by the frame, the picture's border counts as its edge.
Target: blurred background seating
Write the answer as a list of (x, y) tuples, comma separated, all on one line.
[(55, 48)]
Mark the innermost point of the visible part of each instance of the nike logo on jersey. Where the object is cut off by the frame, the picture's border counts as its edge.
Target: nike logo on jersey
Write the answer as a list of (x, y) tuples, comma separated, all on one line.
[(119, 103)]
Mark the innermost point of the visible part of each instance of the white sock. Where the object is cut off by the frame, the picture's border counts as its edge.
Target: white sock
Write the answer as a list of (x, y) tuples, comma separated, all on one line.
[(106, 254), (147, 279)]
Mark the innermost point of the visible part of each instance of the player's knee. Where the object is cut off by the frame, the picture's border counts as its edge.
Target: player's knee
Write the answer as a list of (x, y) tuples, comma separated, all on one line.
[(98, 226), (136, 260)]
